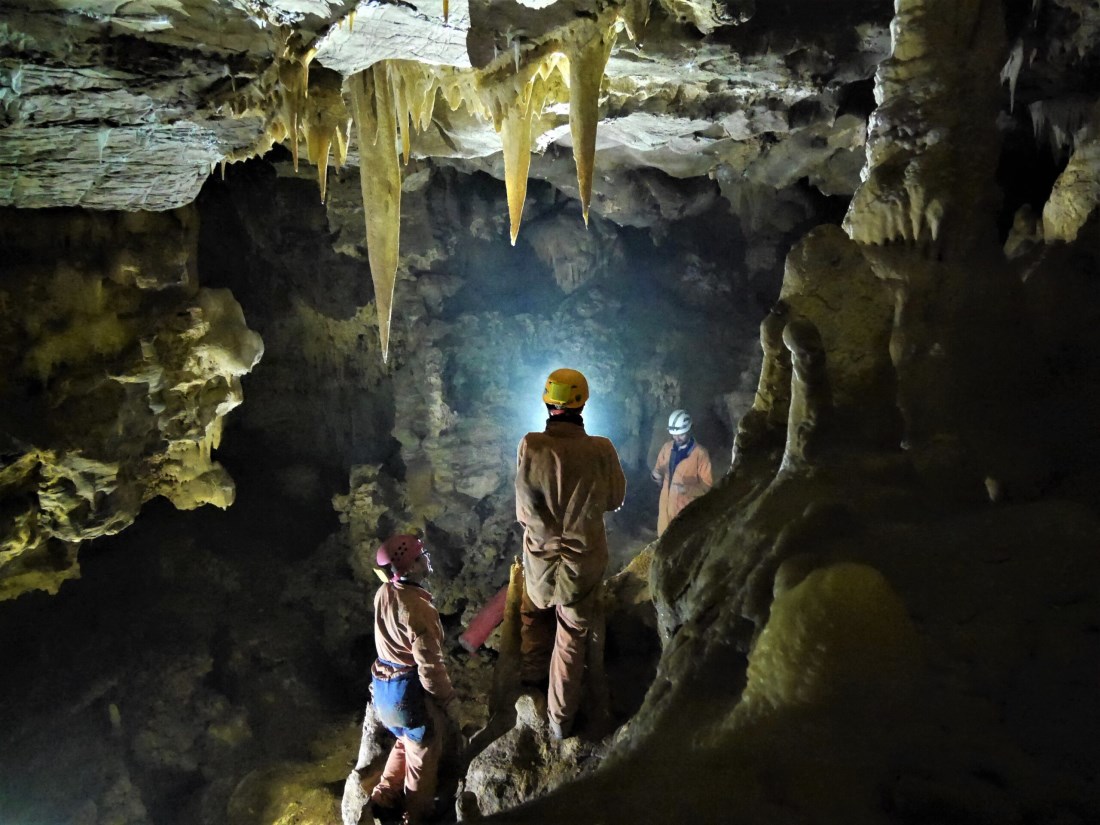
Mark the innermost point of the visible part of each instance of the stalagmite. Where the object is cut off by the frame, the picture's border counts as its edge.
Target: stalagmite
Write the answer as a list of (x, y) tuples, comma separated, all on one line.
[(761, 425), (380, 179), (811, 395), (586, 67)]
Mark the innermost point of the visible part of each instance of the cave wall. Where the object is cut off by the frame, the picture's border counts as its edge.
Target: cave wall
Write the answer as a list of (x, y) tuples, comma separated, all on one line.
[(118, 371), (657, 320), (263, 612)]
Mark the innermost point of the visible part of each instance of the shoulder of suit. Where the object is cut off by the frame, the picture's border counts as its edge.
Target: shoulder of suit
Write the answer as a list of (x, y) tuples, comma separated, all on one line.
[(532, 439)]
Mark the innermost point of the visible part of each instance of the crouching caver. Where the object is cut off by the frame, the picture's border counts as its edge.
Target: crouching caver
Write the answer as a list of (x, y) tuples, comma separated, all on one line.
[(409, 681)]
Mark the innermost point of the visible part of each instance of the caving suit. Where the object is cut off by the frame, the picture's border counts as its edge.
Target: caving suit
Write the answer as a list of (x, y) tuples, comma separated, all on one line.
[(409, 685), (690, 472), (565, 481)]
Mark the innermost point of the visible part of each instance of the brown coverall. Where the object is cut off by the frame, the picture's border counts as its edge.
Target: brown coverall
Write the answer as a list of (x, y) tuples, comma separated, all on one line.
[(407, 633), (693, 473), (565, 481)]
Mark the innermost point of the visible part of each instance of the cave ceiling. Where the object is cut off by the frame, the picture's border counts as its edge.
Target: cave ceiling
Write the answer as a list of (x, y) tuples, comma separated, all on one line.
[(131, 105)]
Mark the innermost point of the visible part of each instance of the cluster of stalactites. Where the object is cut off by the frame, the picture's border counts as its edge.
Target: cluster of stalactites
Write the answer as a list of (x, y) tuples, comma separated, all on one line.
[(311, 109), (300, 104), (578, 57), (515, 100), (392, 99)]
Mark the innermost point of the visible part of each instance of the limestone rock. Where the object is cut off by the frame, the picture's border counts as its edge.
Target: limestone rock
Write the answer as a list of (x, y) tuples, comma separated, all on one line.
[(208, 88), (524, 763), (145, 367), (917, 182), (1076, 194), (828, 281)]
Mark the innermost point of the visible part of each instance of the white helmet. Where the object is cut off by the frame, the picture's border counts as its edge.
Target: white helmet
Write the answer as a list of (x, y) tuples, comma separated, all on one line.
[(679, 422)]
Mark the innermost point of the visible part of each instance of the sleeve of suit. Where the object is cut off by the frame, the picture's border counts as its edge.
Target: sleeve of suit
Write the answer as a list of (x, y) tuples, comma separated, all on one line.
[(531, 509), (523, 492), (661, 467), (427, 649), (706, 474)]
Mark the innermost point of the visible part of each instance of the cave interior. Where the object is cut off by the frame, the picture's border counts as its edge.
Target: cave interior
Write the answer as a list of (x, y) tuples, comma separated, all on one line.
[(281, 278)]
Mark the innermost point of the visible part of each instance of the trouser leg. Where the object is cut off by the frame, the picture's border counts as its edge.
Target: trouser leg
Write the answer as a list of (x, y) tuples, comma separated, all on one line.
[(536, 639), (389, 788), (422, 768), (568, 659)]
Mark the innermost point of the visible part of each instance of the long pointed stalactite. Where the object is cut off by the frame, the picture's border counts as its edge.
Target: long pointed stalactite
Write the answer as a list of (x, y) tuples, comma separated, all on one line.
[(380, 179), (586, 68), (514, 124)]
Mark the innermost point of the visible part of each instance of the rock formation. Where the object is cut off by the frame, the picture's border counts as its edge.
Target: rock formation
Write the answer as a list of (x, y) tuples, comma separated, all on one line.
[(858, 240), (119, 371)]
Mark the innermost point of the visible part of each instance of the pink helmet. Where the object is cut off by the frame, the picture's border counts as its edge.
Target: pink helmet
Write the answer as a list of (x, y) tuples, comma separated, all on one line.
[(400, 552)]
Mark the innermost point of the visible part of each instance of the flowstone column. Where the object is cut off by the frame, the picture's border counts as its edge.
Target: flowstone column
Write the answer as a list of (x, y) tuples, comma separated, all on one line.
[(925, 218), (761, 428)]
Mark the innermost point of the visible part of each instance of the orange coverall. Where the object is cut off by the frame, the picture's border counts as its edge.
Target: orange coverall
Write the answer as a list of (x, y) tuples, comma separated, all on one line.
[(408, 635), (693, 474), (565, 481)]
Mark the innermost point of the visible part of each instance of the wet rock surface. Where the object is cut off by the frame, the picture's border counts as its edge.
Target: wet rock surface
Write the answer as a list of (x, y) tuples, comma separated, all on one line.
[(889, 595), (119, 371)]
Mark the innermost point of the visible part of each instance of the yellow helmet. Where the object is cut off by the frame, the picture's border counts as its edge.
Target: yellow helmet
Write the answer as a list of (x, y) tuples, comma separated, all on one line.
[(566, 388)]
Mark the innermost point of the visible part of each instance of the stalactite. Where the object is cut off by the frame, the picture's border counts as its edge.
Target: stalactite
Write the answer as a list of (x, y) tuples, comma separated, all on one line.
[(401, 109), (292, 71), (394, 98), (635, 16), (586, 67), (515, 135), (513, 120), (380, 179), (325, 120), (1011, 71)]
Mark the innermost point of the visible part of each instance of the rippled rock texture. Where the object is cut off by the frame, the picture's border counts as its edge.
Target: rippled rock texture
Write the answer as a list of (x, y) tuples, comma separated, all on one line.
[(118, 372), (883, 614)]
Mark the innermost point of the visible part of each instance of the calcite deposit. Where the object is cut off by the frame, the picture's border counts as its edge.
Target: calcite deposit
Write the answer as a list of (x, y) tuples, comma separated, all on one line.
[(118, 371), (858, 241)]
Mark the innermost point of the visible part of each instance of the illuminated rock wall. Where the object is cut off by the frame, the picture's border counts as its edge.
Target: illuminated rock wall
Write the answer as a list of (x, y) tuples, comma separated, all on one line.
[(642, 321), (118, 372)]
